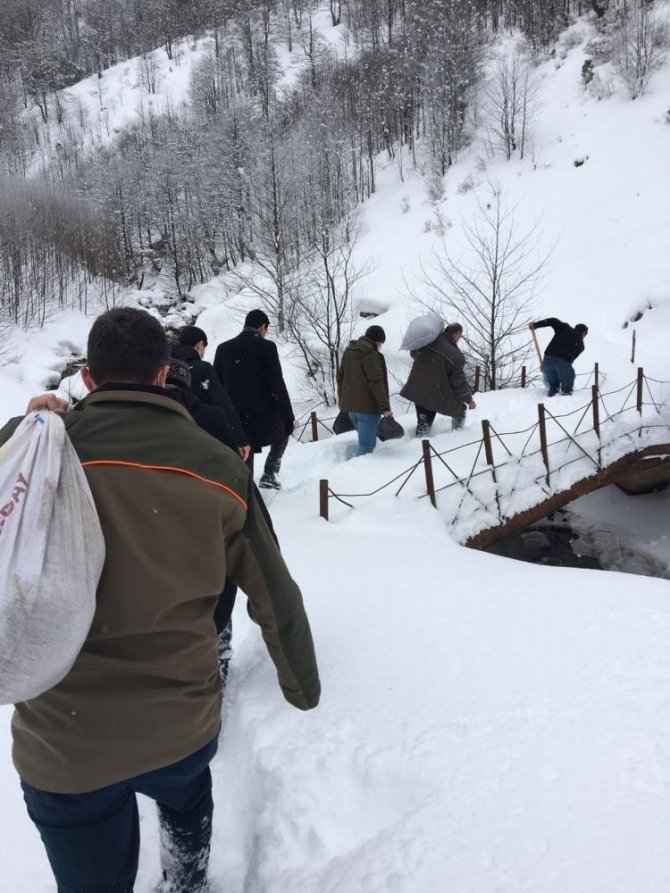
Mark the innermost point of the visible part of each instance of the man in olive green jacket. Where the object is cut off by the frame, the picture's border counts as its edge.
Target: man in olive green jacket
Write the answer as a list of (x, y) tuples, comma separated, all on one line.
[(363, 388), (140, 709)]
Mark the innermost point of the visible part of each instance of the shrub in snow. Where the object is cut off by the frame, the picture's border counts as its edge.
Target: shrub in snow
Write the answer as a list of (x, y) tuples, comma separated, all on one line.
[(587, 72)]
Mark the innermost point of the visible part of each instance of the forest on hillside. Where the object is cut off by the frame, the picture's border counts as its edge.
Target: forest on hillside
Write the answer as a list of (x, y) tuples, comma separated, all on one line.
[(250, 169)]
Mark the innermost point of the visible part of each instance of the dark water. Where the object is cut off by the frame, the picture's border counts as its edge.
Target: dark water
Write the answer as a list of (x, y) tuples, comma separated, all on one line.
[(554, 542), (556, 546)]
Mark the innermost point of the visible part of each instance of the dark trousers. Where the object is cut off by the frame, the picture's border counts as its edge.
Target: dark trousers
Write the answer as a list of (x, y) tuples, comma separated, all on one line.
[(276, 454), (224, 607), (426, 417), (274, 457), (93, 839)]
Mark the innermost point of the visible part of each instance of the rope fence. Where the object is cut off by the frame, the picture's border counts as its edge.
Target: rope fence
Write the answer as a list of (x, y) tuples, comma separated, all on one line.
[(560, 440)]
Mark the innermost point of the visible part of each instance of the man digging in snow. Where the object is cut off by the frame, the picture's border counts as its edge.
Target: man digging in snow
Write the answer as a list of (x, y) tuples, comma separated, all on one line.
[(563, 350)]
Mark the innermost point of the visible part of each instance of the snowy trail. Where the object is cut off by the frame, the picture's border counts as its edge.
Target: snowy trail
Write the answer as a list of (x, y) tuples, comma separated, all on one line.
[(487, 726), (462, 732)]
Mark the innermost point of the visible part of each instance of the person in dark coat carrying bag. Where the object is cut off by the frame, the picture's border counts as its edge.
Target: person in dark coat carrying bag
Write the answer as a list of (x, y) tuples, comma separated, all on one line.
[(563, 349), (437, 381), (251, 373), (363, 389)]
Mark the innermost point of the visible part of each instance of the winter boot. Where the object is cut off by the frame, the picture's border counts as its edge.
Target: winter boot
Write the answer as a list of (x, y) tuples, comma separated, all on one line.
[(422, 426), (269, 482)]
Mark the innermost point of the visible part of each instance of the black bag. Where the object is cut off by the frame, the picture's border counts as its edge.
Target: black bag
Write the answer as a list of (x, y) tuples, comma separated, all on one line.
[(342, 423), (389, 429)]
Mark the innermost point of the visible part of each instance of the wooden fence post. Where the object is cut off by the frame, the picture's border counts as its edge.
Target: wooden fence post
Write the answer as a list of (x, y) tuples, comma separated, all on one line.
[(488, 452), (543, 436), (632, 350), (596, 374), (478, 375), (596, 410), (595, 398), (523, 376), (315, 427), (640, 388), (488, 447), (428, 469), (323, 499)]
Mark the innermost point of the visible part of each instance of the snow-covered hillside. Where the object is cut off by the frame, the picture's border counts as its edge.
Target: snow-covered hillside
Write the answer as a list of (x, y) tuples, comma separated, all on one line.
[(486, 726), (93, 112)]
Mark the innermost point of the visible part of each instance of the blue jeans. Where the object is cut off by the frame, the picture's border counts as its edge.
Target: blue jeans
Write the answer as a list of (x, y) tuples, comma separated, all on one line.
[(366, 424), (559, 374), (93, 839)]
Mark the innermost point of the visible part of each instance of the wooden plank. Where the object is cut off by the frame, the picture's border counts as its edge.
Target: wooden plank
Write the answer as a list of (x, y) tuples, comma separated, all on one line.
[(649, 457)]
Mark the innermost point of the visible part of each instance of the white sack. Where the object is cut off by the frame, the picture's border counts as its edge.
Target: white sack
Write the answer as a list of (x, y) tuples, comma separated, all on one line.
[(422, 331), (51, 557)]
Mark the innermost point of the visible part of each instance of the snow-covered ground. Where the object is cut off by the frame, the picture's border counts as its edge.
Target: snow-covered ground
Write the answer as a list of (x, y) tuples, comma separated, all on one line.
[(487, 726)]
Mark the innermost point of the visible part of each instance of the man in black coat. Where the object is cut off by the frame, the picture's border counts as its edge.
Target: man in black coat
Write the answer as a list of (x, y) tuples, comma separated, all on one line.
[(563, 350), (206, 386), (249, 369)]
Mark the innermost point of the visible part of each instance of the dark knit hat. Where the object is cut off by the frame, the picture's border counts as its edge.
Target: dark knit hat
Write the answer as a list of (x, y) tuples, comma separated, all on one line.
[(255, 319), (376, 333), (454, 328), (179, 374), (581, 329), (189, 336)]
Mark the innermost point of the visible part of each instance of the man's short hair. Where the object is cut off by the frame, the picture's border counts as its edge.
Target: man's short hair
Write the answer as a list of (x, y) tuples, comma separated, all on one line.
[(255, 319), (454, 328), (581, 329), (126, 344), (189, 336), (376, 334)]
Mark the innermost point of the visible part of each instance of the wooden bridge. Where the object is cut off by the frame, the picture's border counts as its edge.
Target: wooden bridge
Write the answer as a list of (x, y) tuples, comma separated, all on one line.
[(518, 477)]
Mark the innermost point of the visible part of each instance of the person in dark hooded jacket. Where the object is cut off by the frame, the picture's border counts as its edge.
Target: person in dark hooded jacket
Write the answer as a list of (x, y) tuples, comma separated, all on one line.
[(206, 385), (363, 387)]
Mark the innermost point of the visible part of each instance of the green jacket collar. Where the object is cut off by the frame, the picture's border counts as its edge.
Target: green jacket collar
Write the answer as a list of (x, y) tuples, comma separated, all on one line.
[(133, 393)]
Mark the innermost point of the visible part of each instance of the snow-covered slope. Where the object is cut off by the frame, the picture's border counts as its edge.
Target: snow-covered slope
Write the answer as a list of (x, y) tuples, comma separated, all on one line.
[(486, 726), (606, 221), (94, 111)]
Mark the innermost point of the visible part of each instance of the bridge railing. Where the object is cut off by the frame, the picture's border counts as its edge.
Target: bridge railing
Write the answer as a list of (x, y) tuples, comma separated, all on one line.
[(548, 456)]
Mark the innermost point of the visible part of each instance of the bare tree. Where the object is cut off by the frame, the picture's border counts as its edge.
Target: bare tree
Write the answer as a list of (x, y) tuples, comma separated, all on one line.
[(335, 11), (273, 222), (323, 310), (490, 289), (510, 105), (641, 44)]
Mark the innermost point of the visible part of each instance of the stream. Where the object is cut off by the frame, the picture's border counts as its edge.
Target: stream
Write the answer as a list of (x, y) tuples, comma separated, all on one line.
[(560, 541)]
